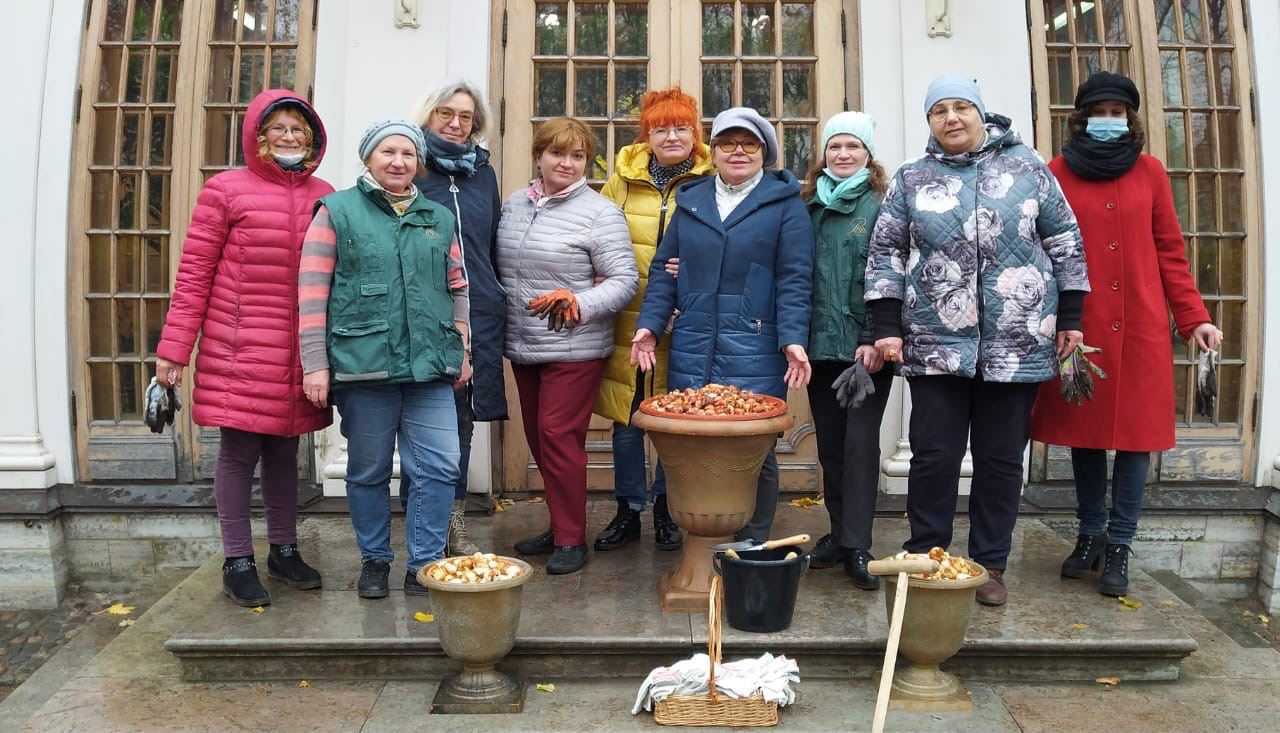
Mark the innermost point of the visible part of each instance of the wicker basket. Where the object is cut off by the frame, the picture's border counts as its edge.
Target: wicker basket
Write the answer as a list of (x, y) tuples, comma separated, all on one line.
[(713, 709)]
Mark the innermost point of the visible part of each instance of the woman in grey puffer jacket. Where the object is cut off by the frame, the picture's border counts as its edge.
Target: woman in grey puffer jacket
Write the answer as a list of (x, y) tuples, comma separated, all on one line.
[(975, 280), (565, 259)]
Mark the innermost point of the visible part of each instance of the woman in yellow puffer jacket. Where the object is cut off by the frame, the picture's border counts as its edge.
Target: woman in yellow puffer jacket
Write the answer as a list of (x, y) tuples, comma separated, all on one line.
[(668, 152)]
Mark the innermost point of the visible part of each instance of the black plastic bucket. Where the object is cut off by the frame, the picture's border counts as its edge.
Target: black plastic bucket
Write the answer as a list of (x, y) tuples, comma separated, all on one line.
[(760, 587)]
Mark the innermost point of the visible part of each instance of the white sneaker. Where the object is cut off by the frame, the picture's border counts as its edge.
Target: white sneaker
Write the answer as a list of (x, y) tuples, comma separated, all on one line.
[(459, 540)]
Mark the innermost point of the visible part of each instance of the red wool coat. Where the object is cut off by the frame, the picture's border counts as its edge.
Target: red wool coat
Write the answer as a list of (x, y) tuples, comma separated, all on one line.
[(237, 287), (1138, 272)]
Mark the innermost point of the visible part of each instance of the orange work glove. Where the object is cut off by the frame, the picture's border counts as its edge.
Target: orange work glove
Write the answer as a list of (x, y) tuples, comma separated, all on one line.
[(563, 314), (545, 303)]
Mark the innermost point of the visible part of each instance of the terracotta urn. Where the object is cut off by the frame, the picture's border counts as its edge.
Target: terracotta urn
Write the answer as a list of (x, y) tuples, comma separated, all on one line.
[(934, 623), (712, 466), (477, 625)]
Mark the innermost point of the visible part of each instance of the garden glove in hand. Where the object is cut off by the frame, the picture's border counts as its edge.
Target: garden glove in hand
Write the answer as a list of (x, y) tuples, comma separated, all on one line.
[(559, 308), (1076, 373), (161, 403), (1207, 383), (853, 386)]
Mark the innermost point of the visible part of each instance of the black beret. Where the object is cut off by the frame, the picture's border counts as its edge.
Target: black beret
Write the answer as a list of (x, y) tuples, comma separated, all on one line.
[(1104, 87)]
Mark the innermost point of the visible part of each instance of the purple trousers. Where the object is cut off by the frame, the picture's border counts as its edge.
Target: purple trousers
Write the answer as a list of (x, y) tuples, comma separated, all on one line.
[(238, 454)]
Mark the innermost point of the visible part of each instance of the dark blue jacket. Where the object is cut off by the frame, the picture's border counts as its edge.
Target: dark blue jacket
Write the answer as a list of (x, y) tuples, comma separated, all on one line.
[(744, 286), (476, 206)]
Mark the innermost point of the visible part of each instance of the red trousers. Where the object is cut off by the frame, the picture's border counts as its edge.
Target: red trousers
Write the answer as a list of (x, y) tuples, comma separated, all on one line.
[(555, 405)]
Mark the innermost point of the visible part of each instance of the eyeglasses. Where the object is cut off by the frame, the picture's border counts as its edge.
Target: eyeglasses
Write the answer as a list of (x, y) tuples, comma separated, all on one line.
[(661, 132), (280, 131), (749, 147), (940, 111), (446, 116)]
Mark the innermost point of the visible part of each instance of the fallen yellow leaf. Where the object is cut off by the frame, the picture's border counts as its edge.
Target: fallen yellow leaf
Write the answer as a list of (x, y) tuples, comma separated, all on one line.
[(545, 687), (807, 501), (119, 609), (304, 683), (1108, 681), (501, 505), (1264, 618), (257, 609), (1126, 603), (1078, 626), (1166, 602), (423, 618)]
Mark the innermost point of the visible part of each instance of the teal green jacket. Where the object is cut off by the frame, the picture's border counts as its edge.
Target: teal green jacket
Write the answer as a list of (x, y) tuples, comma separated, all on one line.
[(843, 233), (390, 310)]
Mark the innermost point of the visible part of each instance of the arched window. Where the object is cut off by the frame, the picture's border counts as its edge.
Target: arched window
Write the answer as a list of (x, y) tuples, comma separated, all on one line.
[(163, 83)]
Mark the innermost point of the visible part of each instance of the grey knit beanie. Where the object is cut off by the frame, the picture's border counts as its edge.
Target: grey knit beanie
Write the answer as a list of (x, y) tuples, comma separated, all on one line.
[(384, 129), (750, 120)]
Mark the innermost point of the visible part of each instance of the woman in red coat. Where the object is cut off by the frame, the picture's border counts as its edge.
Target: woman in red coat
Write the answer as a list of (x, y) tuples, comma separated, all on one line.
[(1138, 273), (237, 287)]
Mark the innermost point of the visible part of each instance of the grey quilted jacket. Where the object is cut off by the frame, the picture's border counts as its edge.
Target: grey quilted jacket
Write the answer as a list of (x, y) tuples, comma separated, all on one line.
[(570, 242), (977, 247)]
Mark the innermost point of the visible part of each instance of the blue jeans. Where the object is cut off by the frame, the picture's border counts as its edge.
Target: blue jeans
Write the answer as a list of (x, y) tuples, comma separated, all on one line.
[(466, 428), (629, 481), (422, 415), (1128, 481)]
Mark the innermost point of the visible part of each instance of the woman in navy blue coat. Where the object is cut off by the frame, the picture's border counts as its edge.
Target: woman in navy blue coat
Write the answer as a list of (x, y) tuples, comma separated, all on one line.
[(744, 247), (458, 176)]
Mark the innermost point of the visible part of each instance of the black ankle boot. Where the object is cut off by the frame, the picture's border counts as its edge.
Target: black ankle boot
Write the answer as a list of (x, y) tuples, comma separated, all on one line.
[(624, 528), (666, 533), (1086, 557), (855, 566), (240, 582), (1115, 573), (285, 564), (827, 552), (567, 559), (542, 544)]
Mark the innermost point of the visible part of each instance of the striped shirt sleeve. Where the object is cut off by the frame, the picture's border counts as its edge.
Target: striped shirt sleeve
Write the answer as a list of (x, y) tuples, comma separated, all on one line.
[(315, 278), (458, 287)]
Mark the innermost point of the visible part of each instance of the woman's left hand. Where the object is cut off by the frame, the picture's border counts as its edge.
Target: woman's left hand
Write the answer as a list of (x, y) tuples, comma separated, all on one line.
[(798, 368), (465, 376), (870, 357), (1208, 337), (1067, 342)]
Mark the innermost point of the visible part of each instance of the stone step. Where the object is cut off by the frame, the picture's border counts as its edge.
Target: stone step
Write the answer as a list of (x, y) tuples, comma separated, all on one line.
[(605, 622)]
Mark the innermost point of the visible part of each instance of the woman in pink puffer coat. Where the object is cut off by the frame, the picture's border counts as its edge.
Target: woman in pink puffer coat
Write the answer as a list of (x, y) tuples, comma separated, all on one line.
[(237, 288)]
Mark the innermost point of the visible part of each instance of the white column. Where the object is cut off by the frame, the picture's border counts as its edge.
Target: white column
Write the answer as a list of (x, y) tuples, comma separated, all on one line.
[(1264, 21), (35, 155), (353, 89)]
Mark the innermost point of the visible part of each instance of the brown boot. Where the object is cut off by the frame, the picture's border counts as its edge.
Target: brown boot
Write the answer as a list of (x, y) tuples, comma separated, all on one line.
[(993, 592)]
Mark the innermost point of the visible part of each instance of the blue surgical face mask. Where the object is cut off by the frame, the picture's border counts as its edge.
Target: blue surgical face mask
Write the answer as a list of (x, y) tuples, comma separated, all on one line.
[(1107, 129)]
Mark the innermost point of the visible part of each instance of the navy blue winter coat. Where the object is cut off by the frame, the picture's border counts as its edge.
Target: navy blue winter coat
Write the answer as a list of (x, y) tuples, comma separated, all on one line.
[(744, 286), (476, 206)]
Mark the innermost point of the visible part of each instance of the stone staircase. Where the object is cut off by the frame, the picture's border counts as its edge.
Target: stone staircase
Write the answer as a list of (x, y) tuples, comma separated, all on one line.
[(605, 622)]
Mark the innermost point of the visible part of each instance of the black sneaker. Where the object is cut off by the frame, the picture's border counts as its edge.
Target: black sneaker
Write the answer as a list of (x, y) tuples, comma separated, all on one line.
[(285, 564), (412, 587), (855, 566), (666, 533), (567, 559), (543, 544), (623, 528), (240, 582), (373, 579), (827, 552)]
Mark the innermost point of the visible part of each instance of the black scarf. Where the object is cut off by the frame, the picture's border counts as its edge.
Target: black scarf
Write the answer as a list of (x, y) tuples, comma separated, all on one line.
[(1095, 160), (449, 156)]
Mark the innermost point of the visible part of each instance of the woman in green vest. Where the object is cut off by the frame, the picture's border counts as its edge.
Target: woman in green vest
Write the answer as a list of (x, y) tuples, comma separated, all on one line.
[(843, 196), (384, 321)]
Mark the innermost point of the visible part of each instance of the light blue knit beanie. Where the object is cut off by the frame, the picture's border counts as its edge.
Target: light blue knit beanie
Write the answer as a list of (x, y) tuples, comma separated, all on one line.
[(858, 124), (383, 129), (954, 86)]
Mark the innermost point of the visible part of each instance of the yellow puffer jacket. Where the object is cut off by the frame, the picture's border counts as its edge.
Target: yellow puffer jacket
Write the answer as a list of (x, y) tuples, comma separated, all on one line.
[(647, 210)]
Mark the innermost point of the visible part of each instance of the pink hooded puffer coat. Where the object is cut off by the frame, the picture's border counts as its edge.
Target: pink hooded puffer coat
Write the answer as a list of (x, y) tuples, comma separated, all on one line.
[(237, 287)]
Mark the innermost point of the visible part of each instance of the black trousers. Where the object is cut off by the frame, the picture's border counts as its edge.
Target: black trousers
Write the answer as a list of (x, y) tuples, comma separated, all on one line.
[(996, 417), (849, 451), (761, 523)]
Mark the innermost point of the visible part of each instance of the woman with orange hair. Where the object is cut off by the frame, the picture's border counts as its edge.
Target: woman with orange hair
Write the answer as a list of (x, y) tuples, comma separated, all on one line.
[(668, 152)]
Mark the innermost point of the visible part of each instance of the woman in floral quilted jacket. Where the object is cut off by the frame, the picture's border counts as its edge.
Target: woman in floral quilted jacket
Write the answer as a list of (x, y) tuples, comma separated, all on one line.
[(976, 282)]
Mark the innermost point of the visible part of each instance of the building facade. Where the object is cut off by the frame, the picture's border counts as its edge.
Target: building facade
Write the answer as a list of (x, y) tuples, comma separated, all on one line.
[(125, 107)]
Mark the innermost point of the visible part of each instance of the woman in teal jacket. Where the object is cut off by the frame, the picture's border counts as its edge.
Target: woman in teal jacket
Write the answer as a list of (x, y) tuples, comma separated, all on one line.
[(843, 195)]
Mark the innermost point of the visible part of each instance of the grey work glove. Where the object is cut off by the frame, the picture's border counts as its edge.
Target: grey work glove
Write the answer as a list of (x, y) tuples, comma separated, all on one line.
[(853, 386), (161, 402)]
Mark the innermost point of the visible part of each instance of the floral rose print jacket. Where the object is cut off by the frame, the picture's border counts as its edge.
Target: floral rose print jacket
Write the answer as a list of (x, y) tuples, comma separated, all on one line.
[(977, 247)]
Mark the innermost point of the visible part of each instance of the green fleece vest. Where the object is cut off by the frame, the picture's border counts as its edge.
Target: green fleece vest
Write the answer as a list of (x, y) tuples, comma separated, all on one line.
[(842, 235), (390, 311)]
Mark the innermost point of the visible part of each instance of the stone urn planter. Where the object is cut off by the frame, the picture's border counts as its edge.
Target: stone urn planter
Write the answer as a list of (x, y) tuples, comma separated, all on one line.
[(477, 625), (712, 466), (934, 623)]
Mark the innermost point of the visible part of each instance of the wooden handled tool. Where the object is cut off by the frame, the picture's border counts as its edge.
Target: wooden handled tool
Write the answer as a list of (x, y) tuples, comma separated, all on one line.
[(888, 567)]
